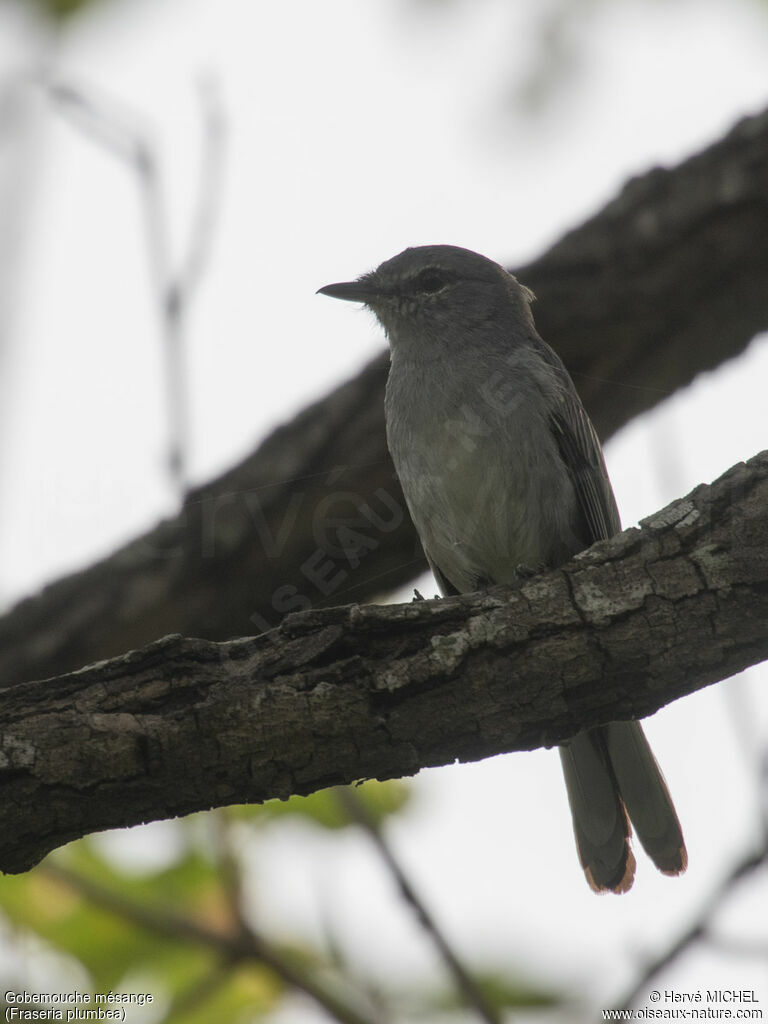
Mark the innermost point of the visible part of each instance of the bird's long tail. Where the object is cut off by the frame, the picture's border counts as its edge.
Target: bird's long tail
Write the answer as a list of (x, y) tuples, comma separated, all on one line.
[(612, 778)]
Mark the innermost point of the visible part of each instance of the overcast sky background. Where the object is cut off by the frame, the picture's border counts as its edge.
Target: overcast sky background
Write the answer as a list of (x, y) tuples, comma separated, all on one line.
[(354, 130)]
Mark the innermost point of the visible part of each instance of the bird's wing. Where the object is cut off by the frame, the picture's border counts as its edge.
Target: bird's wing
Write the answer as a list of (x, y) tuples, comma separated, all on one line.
[(580, 450)]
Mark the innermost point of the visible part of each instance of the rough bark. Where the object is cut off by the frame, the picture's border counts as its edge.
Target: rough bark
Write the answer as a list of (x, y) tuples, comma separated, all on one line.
[(665, 282), (354, 692), (668, 280)]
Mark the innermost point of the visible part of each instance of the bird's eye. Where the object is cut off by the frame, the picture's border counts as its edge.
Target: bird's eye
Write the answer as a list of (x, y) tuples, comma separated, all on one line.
[(430, 281)]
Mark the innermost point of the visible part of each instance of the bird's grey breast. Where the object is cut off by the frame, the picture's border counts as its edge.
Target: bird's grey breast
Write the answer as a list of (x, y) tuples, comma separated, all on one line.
[(479, 466)]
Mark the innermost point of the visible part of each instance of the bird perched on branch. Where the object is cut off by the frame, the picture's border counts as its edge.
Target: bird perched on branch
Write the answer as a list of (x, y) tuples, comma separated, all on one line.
[(503, 474)]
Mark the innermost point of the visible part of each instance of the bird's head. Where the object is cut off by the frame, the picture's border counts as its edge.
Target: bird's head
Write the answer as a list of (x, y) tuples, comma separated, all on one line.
[(441, 292)]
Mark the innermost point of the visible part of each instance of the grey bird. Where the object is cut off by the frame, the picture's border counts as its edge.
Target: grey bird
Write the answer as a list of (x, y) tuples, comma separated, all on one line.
[(502, 469)]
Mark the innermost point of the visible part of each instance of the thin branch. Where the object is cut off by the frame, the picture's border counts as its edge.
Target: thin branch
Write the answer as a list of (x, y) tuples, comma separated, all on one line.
[(367, 985), (737, 946), (701, 928), (473, 995), (230, 869), (698, 929), (111, 126), (234, 948), (210, 189), (199, 991), (121, 134), (231, 875)]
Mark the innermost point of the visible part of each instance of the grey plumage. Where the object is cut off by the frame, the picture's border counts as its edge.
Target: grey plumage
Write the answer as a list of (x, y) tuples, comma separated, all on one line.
[(501, 468)]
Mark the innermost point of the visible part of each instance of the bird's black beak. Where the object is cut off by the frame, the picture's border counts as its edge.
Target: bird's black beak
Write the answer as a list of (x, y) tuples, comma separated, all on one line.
[(351, 291)]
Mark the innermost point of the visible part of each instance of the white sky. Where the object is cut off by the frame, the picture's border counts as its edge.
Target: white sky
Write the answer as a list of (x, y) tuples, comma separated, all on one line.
[(357, 129)]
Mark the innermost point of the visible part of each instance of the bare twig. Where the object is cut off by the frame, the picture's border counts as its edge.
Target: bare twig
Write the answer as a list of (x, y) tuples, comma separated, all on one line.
[(471, 992), (738, 946), (122, 134), (338, 958), (699, 928), (763, 794), (113, 127), (209, 189), (232, 948), (230, 869), (231, 875), (198, 992)]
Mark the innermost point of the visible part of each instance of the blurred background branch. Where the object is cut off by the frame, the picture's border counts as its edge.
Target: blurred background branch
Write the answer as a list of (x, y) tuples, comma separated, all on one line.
[(121, 133), (701, 929), (468, 988), (232, 947)]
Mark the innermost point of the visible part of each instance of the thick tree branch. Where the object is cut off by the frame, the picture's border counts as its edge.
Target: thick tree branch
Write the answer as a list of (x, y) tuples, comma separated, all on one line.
[(668, 280), (354, 692)]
